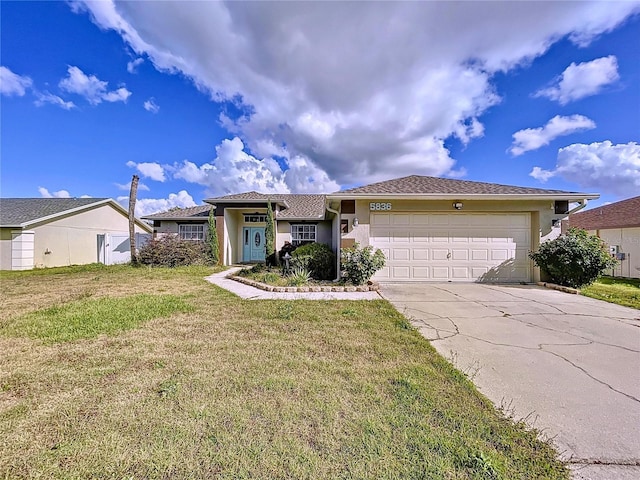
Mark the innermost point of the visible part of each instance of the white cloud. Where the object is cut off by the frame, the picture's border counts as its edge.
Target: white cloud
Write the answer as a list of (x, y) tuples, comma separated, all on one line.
[(46, 97), (59, 194), (91, 88), (534, 138), (234, 170), (600, 166), (366, 106), (148, 206), (132, 66), (151, 105), (582, 80), (127, 186), (12, 83), (151, 170)]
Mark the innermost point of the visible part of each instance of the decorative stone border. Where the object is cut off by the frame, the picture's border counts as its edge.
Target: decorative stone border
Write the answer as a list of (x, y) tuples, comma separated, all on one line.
[(374, 287), (561, 288)]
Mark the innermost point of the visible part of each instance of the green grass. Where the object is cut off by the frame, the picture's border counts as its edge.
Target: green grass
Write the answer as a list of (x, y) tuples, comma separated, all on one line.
[(89, 318), (241, 389), (623, 291)]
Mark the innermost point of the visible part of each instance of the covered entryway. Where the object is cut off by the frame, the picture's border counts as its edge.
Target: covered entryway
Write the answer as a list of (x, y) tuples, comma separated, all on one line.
[(489, 247)]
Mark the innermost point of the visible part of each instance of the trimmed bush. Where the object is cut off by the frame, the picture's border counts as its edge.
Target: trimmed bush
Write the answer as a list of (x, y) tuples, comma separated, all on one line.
[(321, 262), (574, 259), (361, 263), (171, 251)]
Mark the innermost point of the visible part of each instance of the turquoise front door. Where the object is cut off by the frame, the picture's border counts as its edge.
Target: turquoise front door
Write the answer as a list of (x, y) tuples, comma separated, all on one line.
[(253, 246)]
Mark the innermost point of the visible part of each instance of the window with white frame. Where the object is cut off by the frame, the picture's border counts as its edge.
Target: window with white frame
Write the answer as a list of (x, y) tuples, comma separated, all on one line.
[(303, 233), (189, 231)]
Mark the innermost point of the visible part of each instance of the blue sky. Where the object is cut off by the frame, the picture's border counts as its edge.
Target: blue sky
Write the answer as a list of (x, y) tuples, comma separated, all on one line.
[(204, 99)]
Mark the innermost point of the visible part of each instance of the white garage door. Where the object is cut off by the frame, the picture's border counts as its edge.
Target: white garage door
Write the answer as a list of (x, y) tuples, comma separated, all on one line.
[(453, 246)]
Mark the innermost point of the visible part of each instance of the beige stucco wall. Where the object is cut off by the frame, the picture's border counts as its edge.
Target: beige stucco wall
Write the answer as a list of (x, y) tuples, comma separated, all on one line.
[(72, 240), (323, 232), (542, 215), (628, 241), (5, 249)]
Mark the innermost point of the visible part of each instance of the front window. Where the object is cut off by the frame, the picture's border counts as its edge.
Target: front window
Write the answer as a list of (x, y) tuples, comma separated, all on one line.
[(255, 218), (303, 233), (191, 232)]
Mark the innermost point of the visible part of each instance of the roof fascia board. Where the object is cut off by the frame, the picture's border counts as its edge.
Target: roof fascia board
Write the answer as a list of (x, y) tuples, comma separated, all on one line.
[(214, 201), (462, 196)]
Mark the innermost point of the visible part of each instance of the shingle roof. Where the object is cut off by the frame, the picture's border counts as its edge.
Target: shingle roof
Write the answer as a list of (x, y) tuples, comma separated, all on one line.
[(199, 212), (298, 206), (416, 184), (19, 211), (623, 214)]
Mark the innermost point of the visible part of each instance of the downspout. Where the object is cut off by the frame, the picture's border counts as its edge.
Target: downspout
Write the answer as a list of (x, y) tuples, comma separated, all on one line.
[(336, 238)]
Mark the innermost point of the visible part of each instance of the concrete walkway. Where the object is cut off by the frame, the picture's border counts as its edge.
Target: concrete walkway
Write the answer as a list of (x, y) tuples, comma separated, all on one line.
[(251, 293), (569, 365)]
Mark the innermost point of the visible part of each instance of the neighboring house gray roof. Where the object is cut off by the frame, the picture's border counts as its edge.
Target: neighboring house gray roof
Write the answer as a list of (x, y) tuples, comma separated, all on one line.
[(297, 206), (200, 212), (23, 212), (622, 214), (422, 185)]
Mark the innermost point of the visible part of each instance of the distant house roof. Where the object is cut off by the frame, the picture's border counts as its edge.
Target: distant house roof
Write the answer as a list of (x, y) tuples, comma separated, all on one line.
[(296, 206), (417, 185), (623, 214), (200, 212), (24, 212)]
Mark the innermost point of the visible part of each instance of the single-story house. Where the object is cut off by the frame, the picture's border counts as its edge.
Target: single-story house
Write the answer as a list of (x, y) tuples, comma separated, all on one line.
[(54, 232), (430, 229), (618, 224)]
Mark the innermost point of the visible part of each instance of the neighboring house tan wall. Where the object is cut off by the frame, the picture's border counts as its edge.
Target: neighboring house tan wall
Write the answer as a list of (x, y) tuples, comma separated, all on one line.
[(628, 241), (72, 240), (5, 249)]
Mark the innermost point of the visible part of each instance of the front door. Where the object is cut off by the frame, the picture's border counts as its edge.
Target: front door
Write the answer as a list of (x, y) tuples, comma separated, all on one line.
[(253, 246)]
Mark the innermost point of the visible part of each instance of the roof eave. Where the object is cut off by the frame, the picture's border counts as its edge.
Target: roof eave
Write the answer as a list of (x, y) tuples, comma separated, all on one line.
[(66, 212), (463, 196), (217, 201)]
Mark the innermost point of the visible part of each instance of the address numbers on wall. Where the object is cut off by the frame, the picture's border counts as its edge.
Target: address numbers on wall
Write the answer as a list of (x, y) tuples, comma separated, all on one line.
[(376, 206)]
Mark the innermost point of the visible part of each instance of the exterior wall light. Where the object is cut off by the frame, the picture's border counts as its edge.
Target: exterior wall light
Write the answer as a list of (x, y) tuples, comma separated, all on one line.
[(355, 222), (457, 205)]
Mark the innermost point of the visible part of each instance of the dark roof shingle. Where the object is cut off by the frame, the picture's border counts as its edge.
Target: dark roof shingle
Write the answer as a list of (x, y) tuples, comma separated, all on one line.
[(622, 214), (417, 184), (18, 211), (298, 206), (199, 212)]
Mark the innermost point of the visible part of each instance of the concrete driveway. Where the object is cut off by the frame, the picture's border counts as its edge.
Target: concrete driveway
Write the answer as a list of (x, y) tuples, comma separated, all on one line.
[(569, 365)]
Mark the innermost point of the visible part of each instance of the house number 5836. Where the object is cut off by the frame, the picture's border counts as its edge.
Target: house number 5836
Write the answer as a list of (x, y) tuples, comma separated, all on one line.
[(379, 206)]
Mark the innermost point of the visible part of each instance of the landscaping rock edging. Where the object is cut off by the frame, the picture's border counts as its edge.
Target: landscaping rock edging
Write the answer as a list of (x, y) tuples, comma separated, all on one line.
[(561, 288), (314, 288)]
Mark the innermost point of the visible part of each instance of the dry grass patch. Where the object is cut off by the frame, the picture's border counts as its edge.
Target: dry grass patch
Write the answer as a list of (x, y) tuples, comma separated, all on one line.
[(239, 389)]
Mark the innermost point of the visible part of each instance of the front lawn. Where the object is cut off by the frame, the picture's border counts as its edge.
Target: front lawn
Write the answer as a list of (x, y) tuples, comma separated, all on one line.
[(623, 291), (200, 384)]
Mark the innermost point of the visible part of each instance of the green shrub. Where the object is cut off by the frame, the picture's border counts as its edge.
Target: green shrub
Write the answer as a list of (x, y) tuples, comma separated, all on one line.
[(321, 262), (361, 263), (171, 251), (212, 238), (574, 259)]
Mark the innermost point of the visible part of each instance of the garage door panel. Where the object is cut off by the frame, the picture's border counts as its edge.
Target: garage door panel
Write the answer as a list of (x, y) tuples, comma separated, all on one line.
[(479, 254), (459, 254), (421, 273), (401, 272), (460, 273), (400, 254), (439, 254), (453, 246), (420, 254)]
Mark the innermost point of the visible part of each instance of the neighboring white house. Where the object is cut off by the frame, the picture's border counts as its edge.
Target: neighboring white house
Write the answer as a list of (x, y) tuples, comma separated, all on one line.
[(53, 232), (618, 224), (430, 229)]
